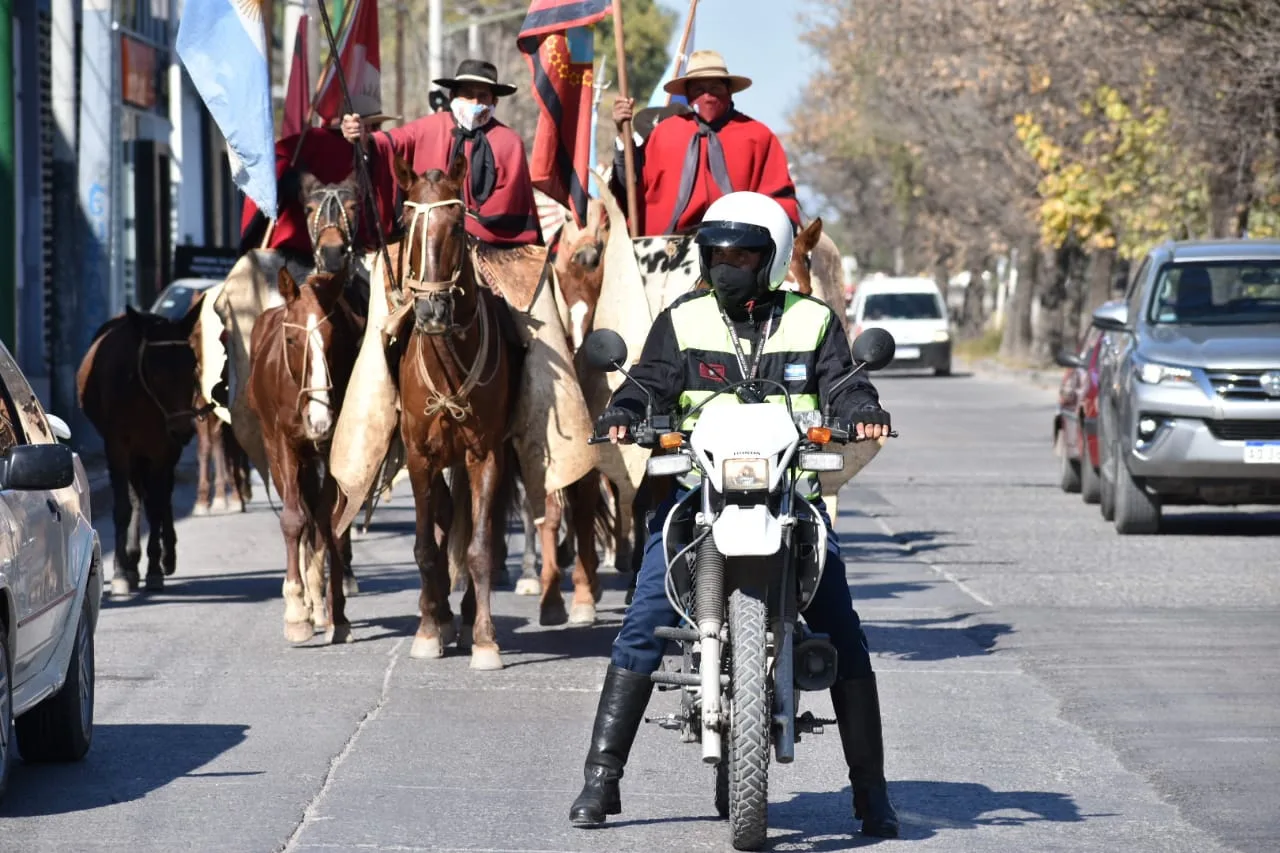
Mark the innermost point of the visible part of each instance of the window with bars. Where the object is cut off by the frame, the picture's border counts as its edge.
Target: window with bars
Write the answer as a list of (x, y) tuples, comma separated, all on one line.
[(51, 313)]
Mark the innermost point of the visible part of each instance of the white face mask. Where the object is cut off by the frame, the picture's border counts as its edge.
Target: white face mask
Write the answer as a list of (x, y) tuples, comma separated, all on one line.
[(470, 114)]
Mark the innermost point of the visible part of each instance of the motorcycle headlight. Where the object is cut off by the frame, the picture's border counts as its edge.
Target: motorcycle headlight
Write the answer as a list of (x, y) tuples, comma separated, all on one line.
[(748, 474)]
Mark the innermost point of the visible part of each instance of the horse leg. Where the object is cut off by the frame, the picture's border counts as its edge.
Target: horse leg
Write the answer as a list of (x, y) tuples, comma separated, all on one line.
[(339, 549), (293, 523), (529, 583), (585, 495), (154, 501), (350, 585), (435, 628), (168, 532), (486, 486), (219, 504), (203, 450), (607, 501), (313, 553), (239, 462), (551, 609), (125, 578)]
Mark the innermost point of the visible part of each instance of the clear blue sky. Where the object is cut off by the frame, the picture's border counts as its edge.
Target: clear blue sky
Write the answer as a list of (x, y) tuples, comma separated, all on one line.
[(759, 39)]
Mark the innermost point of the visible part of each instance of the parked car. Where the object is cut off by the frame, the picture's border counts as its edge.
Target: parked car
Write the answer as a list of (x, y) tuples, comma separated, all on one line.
[(176, 299), (1075, 424), (914, 312), (1189, 407), (50, 583)]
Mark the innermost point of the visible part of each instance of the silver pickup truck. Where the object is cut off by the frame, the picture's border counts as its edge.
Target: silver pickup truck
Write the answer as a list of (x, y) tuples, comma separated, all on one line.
[(1189, 382)]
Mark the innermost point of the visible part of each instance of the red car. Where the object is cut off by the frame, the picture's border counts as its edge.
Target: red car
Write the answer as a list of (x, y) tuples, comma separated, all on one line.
[(1075, 426)]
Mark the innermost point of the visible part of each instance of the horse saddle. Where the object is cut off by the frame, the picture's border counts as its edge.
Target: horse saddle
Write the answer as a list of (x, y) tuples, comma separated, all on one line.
[(515, 273)]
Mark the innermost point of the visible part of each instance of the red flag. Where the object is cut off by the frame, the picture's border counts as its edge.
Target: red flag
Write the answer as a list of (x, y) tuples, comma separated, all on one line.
[(361, 62), (559, 43), (297, 101)]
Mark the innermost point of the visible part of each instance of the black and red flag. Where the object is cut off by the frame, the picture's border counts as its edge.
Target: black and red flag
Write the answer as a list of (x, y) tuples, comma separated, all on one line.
[(558, 39)]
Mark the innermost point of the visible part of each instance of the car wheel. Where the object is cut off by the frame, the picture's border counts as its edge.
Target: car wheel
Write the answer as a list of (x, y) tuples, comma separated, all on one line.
[(1090, 481), (942, 371), (1069, 477), (1107, 477), (61, 727), (1136, 510), (6, 710)]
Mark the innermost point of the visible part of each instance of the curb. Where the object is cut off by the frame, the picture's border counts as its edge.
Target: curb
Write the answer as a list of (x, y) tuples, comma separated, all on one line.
[(990, 368)]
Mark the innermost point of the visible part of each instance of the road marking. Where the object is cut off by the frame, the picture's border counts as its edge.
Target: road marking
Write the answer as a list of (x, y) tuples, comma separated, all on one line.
[(965, 588), (309, 814)]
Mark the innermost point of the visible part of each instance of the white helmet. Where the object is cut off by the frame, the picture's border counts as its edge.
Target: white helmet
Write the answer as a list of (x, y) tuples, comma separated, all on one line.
[(749, 221)]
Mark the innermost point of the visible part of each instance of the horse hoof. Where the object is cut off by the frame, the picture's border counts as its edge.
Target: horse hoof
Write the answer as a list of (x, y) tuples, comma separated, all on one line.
[(122, 586), (235, 506), (528, 586), (427, 648), (155, 583), (200, 510), (169, 570), (319, 621), (351, 586), (219, 506), (553, 613), (338, 634), (582, 614), (298, 632), (486, 658)]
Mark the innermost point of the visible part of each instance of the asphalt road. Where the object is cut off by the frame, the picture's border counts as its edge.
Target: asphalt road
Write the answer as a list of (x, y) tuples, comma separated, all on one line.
[(1047, 685)]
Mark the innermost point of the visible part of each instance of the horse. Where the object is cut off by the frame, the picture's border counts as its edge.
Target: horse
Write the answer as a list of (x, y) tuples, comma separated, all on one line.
[(136, 385), (216, 448), (302, 355), (457, 379)]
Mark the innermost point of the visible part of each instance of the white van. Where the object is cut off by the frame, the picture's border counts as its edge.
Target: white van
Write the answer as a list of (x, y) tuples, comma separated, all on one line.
[(914, 312)]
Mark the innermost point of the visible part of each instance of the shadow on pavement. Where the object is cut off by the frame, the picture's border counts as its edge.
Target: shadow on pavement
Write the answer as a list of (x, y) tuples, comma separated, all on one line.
[(1220, 523), (933, 639), (114, 772)]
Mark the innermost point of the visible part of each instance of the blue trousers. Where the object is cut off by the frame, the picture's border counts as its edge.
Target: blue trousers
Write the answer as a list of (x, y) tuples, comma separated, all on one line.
[(831, 611)]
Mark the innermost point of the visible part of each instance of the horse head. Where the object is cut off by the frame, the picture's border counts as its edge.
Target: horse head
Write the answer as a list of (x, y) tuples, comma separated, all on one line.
[(309, 342), (333, 221), (800, 276), (580, 268), (435, 264), (166, 365)]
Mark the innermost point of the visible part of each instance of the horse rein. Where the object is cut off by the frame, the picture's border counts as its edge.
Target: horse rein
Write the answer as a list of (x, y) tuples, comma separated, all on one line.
[(331, 207), (307, 393), (197, 414)]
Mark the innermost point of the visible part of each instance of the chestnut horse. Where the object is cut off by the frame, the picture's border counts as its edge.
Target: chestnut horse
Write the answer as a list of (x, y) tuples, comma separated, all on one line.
[(457, 392), (136, 385)]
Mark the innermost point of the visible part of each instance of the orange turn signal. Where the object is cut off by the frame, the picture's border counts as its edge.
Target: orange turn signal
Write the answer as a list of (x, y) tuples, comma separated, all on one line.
[(819, 435), (671, 440)]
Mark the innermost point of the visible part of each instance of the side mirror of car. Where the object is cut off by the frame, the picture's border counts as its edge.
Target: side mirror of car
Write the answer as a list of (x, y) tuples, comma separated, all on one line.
[(874, 348), (605, 350), (1112, 316), (1066, 358), (37, 467)]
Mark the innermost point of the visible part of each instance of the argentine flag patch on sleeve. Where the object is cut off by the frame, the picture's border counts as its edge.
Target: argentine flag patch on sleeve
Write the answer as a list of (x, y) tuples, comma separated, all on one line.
[(795, 373)]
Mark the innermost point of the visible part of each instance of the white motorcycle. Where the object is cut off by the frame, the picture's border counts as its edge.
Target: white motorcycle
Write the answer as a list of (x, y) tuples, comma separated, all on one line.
[(745, 554)]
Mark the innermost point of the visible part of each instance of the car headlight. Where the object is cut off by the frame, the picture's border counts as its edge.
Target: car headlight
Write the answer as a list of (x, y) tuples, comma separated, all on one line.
[(941, 335), (1155, 373), (747, 474)]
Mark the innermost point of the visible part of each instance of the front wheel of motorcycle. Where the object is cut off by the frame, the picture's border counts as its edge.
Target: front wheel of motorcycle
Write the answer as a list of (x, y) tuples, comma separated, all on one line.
[(748, 724)]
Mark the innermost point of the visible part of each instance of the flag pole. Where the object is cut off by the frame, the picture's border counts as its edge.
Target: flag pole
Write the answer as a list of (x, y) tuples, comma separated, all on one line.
[(628, 136), (681, 59), (361, 155)]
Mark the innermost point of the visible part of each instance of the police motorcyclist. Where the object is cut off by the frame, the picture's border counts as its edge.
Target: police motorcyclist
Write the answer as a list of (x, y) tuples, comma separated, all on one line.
[(744, 327)]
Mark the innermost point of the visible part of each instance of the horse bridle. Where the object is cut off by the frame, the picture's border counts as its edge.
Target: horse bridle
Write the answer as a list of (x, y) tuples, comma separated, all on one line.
[(331, 207), (198, 414), (417, 285), (306, 392)]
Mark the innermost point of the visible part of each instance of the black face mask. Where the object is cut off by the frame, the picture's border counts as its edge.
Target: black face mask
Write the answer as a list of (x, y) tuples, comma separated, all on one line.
[(734, 288)]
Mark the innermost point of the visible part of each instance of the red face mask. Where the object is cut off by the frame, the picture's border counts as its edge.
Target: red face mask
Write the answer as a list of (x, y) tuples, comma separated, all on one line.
[(710, 107)]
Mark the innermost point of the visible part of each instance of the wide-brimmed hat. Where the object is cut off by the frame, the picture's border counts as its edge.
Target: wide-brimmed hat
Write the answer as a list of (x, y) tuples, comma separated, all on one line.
[(477, 71), (706, 65), (648, 118), (369, 108)]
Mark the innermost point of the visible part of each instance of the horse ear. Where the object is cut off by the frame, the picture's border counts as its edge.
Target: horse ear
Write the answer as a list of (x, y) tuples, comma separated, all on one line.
[(188, 322), (808, 237), (404, 173), (307, 185), (458, 168), (287, 286)]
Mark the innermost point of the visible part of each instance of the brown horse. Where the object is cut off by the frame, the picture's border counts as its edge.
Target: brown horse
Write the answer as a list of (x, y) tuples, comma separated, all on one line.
[(457, 392), (136, 385), (217, 448), (303, 353)]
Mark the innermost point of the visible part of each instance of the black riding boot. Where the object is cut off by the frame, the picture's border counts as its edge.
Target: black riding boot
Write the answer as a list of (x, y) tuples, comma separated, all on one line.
[(622, 703), (857, 706)]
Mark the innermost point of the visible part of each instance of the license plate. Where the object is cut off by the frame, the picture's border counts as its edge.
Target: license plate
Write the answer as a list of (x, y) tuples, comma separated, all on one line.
[(907, 352), (1262, 452)]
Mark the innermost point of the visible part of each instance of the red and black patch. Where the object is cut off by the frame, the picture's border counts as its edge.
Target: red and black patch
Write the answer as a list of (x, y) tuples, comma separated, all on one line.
[(712, 371)]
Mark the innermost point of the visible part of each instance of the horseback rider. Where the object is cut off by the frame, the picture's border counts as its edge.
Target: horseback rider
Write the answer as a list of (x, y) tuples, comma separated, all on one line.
[(498, 191), (703, 340), (692, 159)]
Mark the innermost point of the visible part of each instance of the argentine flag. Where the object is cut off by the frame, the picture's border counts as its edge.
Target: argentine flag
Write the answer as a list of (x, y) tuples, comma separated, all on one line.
[(222, 43)]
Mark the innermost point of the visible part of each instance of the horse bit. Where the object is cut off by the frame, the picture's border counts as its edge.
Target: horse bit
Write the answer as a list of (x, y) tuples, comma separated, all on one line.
[(457, 403)]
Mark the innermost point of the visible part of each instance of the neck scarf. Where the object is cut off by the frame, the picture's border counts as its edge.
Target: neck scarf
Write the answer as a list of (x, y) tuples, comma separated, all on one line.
[(715, 159), (481, 170)]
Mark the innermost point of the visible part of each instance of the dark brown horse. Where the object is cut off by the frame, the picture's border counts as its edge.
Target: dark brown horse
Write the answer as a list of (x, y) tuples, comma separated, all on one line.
[(303, 353), (457, 375), (136, 385)]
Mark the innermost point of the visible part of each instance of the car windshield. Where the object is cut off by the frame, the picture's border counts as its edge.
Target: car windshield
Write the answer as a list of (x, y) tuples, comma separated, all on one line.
[(1220, 294), (175, 301), (902, 306)]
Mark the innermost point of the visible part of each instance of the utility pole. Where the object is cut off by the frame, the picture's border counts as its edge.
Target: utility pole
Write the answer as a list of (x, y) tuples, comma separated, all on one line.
[(66, 265), (402, 23), (435, 40), (8, 234)]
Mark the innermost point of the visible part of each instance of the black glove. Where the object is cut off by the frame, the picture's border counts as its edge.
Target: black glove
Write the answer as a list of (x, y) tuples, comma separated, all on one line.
[(615, 416), (867, 416)]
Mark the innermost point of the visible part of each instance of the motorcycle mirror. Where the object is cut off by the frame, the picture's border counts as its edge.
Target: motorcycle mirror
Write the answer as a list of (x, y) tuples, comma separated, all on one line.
[(605, 350), (874, 348)]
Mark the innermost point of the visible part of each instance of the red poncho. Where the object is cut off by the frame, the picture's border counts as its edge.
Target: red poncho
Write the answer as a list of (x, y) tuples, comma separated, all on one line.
[(330, 158), (497, 190), (754, 162)]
